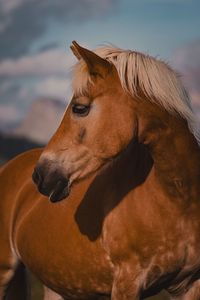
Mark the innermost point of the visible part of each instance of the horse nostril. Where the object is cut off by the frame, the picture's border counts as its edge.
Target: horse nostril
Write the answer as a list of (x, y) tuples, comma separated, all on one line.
[(36, 176)]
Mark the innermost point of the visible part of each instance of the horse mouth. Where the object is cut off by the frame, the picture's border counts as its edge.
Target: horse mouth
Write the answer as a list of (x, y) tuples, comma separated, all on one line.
[(56, 188), (60, 192)]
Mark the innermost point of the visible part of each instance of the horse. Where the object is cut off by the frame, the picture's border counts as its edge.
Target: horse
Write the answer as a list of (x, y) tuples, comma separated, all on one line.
[(122, 176)]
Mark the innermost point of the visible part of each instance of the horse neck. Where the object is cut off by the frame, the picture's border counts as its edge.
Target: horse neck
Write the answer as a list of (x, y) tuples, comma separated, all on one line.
[(175, 152)]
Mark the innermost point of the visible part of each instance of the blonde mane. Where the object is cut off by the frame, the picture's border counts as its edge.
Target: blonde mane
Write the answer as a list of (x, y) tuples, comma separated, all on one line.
[(156, 79)]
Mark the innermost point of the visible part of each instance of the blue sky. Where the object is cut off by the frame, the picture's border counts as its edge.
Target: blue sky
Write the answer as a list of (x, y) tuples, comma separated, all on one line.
[(154, 26), (35, 38)]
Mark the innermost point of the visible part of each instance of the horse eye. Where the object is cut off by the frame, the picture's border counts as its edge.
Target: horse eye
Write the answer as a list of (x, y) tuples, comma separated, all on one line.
[(81, 110)]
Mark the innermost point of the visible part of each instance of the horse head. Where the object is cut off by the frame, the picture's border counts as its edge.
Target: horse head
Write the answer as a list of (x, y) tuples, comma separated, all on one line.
[(97, 125)]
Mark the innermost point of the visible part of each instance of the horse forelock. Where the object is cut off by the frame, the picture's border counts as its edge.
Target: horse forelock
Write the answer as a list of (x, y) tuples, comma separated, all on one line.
[(139, 72)]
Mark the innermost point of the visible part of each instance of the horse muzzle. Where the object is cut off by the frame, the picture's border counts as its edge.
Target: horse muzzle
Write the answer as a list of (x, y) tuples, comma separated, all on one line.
[(52, 184)]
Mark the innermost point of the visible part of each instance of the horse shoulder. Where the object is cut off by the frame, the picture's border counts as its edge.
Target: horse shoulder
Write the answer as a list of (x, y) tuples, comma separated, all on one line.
[(14, 176)]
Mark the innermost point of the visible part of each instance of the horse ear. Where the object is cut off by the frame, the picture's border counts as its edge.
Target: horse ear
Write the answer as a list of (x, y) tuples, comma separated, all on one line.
[(75, 52), (96, 64)]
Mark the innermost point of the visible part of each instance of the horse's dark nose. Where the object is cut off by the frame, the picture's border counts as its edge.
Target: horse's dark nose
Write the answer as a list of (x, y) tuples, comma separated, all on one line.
[(37, 177), (51, 183)]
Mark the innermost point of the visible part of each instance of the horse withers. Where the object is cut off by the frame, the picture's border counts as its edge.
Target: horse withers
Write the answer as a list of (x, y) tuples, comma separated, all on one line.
[(122, 176)]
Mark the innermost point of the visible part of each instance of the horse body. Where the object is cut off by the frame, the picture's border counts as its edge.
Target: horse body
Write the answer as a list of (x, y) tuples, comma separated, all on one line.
[(91, 228), (70, 251), (130, 225)]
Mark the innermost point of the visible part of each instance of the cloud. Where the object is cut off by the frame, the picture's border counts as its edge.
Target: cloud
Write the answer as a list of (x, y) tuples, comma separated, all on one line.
[(22, 94), (24, 21), (31, 64), (44, 74), (54, 88), (53, 61), (5, 86), (8, 5), (9, 89), (16, 98), (9, 114), (188, 56), (187, 61)]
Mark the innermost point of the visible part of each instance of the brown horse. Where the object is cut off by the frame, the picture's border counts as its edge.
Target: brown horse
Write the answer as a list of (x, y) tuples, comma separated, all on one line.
[(125, 161)]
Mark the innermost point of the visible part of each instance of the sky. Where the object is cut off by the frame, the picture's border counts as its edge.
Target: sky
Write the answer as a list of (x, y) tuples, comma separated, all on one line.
[(35, 36)]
